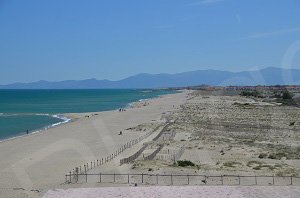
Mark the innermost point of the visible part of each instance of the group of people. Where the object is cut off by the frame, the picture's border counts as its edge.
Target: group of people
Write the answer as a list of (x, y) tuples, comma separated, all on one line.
[(121, 110)]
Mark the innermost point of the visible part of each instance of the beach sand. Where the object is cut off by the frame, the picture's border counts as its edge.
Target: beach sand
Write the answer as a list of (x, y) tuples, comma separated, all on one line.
[(35, 163), (181, 191)]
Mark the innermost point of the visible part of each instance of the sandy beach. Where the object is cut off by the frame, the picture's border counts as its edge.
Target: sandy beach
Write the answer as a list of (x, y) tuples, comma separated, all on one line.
[(39, 162), (217, 134)]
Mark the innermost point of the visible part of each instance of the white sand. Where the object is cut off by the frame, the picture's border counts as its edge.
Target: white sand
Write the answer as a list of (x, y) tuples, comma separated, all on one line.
[(41, 160), (180, 191)]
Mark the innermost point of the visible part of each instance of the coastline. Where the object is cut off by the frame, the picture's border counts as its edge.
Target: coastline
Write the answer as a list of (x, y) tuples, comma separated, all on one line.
[(69, 117), (40, 160), (64, 120)]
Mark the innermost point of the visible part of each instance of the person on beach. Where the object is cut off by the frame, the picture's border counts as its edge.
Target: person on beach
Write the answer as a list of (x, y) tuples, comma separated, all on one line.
[(27, 132)]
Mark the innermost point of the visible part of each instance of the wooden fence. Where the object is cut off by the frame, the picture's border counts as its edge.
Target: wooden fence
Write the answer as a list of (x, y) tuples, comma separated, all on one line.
[(98, 162), (182, 179), (152, 155), (172, 155), (134, 156)]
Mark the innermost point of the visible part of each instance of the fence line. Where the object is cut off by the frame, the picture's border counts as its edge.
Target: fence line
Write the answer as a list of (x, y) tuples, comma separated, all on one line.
[(183, 179), (166, 155), (162, 131), (152, 155), (134, 156), (88, 166)]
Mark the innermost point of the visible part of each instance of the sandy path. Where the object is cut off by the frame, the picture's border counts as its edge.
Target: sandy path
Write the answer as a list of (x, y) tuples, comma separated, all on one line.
[(40, 161)]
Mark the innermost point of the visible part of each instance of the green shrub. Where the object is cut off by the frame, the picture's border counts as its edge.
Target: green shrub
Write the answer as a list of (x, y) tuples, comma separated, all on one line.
[(262, 155), (231, 164), (184, 163)]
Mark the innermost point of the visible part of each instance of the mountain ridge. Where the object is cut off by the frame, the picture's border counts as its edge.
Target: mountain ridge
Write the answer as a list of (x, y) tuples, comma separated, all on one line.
[(266, 76)]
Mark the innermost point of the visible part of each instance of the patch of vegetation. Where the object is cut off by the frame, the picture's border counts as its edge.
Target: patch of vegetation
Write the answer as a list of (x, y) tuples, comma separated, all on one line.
[(253, 93), (270, 167), (231, 164), (263, 155), (280, 151), (286, 95), (184, 163), (292, 123)]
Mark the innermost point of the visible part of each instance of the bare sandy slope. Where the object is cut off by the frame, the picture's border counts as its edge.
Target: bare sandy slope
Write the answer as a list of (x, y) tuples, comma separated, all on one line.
[(41, 160), (180, 191)]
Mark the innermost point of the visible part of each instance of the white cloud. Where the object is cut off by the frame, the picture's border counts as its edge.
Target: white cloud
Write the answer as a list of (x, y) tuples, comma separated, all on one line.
[(268, 34), (204, 2)]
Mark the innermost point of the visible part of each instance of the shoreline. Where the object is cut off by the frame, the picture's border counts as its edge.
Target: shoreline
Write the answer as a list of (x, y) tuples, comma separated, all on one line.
[(64, 120), (67, 118), (41, 160)]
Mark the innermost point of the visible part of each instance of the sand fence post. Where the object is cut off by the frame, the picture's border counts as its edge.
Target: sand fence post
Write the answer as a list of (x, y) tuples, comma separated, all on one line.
[(255, 180), (84, 169), (222, 182), (114, 177), (239, 180), (76, 170), (188, 177), (100, 179), (142, 178), (171, 179), (291, 180), (86, 180), (273, 180), (70, 176), (128, 178)]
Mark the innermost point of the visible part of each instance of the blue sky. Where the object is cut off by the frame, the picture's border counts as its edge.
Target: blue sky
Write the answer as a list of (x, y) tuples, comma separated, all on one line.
[(113, 39)]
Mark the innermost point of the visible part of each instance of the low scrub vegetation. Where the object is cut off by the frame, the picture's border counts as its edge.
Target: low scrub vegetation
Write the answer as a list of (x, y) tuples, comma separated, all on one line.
[(184, 163)]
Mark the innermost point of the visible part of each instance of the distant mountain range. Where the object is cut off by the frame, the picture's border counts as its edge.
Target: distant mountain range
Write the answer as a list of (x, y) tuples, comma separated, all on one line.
[(267, 76)]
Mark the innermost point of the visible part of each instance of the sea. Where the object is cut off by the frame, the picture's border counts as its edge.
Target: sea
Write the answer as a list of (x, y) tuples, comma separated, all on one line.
[(37, 110)]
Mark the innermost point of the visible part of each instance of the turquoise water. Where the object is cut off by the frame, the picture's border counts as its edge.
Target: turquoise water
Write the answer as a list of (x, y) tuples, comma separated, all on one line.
[(32, 110)]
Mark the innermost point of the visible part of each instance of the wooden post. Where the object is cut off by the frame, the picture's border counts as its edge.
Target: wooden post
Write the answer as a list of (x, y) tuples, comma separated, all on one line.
[(188, 179), (142, 178), (291, 180), (86, 177), (171, 180), (97, 162), (76, 170), (70, 177), (100, 178), (128, 178), (222, 179), (84, 169), (156, 178), (255, 180), (239, 180), (273, 180), (114, 177)]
